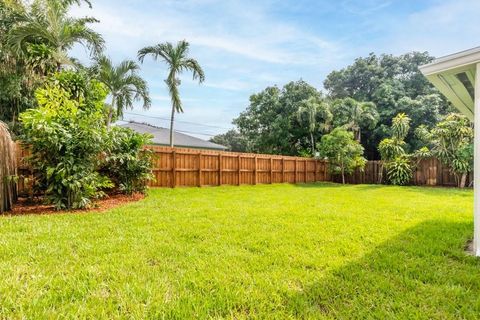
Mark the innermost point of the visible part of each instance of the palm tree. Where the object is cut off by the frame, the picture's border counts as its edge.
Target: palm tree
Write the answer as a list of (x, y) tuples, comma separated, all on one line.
[(176, 57), (354, 115), (124, 84), (48, 23), (308, 113)]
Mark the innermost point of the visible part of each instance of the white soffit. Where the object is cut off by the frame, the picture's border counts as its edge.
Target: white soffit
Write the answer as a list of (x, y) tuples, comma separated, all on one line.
[(454, 76)]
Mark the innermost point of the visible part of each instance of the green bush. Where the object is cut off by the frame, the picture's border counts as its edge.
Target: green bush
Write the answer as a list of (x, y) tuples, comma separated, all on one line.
[(127, 164), (67, 135), (399, 171)]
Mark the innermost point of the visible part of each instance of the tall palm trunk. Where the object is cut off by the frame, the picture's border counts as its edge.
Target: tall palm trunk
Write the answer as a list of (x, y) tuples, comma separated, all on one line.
[(110, 112), (313, 143), (463, 180), (171, 126)]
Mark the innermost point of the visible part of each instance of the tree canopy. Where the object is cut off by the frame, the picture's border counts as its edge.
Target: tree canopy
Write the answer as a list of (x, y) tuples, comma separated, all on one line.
[(395, 85), (270, 123)]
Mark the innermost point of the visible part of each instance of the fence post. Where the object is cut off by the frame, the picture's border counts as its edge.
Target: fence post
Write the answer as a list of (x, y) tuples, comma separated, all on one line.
[(325, 168), (305, 171), (174, 169), (271, 170), (255, 171), (199, 169), (238, 172), (283, 170), (315, 172), (296, 169), (219, 169)]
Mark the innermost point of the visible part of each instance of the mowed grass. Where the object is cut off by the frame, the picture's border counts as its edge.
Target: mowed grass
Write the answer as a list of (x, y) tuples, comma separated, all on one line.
[(266, 251)]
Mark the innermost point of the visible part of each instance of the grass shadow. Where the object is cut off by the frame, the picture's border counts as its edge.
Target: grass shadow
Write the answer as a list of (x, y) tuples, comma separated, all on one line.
[(422, 273)]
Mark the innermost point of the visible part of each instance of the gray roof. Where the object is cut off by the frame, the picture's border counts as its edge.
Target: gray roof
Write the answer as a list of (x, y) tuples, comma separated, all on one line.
[(161, 136)]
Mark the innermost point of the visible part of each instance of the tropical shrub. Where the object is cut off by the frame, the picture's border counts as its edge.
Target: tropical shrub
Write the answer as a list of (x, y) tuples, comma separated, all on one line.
[(451, 141), (67, 135), (343, 152), (399, 170), (127, 163), (392, 151)]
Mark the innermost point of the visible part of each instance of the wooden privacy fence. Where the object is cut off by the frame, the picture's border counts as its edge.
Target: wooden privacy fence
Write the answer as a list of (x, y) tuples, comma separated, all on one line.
[(174, 167), (429, 172), (193, 167)]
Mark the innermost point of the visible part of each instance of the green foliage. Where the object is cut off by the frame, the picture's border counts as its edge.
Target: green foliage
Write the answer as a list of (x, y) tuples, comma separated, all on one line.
[(400, 126), (392, 151), (233, 140), (124, 83), (354, 115), (343, 153), (127, 163), (270, 123), (451, 141), (395, 85), (391, 148), (399, 170), (67, 135), (47, 22)]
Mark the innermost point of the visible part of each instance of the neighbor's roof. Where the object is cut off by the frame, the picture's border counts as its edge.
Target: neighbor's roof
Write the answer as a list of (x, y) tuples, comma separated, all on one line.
[(454, 76), (161, 136)]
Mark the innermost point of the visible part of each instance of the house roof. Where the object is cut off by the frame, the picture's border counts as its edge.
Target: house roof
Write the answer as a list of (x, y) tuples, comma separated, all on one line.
[(161, 136), (454, 76)]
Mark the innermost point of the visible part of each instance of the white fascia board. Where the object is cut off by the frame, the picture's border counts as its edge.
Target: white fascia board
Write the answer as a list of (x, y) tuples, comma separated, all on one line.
[(453, 61)]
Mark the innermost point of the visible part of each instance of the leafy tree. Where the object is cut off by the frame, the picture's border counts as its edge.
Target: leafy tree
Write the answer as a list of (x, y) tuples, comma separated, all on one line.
[(47, 27), (233, 140), (67, 135), (343, 152), (354, 115), (451, 141), (395, 85), (270, 123), (308, 114), (177, 59), (124, 83)]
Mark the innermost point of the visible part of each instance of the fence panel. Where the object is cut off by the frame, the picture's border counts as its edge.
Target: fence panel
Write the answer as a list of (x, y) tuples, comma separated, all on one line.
[(193, 167)]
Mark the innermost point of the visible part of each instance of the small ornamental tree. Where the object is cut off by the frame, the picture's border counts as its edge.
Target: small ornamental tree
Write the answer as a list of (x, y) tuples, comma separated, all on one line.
[(451, 141), (393, 154), (67, 135), (343, 152)]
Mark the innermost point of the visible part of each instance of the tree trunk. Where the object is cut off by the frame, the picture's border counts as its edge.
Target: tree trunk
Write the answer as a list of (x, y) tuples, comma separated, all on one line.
[(463, 180), (110, 112), (171, 126), (343, 176), (313, 143)]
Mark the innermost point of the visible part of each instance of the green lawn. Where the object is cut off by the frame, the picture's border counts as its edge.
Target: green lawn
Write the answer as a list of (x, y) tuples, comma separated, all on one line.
[(270, 251)]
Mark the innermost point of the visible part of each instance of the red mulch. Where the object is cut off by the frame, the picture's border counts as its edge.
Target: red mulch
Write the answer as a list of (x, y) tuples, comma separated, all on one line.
[(26, 206)]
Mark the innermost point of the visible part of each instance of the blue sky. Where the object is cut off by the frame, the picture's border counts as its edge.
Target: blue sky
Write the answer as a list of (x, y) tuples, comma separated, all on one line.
[(245, 46)]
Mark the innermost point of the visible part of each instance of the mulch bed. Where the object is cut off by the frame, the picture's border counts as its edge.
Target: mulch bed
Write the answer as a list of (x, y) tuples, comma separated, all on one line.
[(27, 206)]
